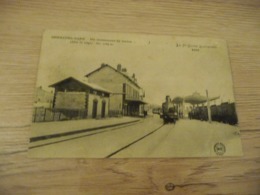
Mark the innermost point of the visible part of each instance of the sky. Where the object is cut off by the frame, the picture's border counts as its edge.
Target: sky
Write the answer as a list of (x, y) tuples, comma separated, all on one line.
[(163, 65)]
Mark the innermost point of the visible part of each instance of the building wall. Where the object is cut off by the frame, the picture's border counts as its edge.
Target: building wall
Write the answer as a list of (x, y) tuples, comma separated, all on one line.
[(70, 100), (77, 100), (99, 99), (116, 102), (108, 79), (132, 92), (113, 81)]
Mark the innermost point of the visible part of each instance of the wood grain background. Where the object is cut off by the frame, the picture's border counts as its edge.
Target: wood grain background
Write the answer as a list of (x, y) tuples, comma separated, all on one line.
[(21, 26)]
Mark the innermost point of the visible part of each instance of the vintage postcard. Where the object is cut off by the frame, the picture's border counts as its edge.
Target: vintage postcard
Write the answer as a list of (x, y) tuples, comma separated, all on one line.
[(115, 95)]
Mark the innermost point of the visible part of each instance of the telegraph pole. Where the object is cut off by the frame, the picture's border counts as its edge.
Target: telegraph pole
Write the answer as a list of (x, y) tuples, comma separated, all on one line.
[(208, 106)]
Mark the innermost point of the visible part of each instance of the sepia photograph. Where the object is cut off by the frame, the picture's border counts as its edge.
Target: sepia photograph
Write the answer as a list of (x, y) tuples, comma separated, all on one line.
[(117, 95)]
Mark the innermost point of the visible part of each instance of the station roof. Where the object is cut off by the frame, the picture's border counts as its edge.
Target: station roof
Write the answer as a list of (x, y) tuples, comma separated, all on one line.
[(83, 82), (119, 72), (195, 98)]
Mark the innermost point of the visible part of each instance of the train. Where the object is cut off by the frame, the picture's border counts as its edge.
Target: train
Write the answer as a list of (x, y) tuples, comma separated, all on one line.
[(169, 112), (225, 113)]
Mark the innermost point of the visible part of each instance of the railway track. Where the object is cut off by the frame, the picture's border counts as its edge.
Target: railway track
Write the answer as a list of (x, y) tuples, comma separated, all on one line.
[(134, 142), (111, 153), (81, 136)]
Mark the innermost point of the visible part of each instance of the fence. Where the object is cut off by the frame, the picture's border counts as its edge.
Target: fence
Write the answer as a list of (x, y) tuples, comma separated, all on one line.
[(50, 114)]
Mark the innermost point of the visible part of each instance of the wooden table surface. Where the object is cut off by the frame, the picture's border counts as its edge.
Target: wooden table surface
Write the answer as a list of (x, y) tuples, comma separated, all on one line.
[(21, 26)]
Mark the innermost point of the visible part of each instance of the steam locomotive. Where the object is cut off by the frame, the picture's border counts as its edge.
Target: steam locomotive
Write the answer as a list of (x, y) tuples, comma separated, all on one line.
[(169, 111)]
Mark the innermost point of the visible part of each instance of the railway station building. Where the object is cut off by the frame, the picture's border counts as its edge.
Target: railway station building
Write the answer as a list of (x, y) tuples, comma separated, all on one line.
[(127, 97), (72, 96)]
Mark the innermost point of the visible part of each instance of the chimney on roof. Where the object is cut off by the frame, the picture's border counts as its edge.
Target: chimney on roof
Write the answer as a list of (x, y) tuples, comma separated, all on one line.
[(124, 70), (119, 67), (168, 99), (133, 77), (103, 65)]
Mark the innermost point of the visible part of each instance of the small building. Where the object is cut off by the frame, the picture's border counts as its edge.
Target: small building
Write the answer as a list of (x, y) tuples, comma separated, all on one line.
[(72, 96), (126, 95), (42, 104), (43, 98)]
